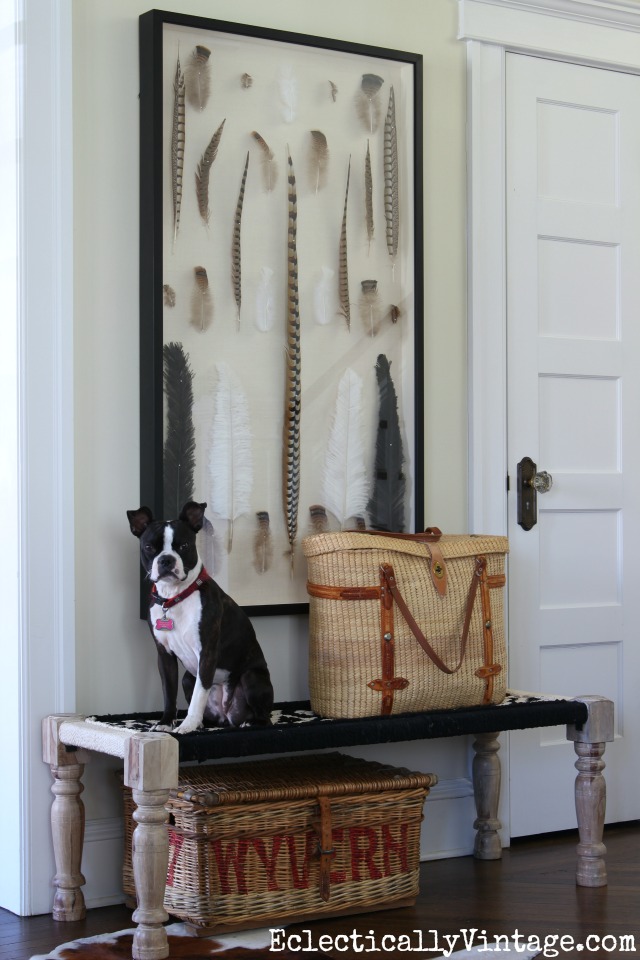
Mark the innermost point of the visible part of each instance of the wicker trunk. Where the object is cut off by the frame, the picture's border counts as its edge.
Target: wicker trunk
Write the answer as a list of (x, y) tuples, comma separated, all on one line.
[(270, 842)]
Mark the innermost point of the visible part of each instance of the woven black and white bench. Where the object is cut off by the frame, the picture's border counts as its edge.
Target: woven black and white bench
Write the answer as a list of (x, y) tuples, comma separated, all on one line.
[(151, 762)]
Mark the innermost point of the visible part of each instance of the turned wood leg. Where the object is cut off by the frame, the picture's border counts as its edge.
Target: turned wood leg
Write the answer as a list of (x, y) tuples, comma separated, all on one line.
[(67, 820), (589, 743), (67, 829), (151, 769), (486, 790)]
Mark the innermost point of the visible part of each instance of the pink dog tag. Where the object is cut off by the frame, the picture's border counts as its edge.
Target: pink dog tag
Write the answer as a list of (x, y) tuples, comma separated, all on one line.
[(164, 623)]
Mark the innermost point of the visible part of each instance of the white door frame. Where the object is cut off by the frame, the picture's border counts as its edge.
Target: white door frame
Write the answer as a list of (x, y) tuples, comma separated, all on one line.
[(37, 506), (602, 33)]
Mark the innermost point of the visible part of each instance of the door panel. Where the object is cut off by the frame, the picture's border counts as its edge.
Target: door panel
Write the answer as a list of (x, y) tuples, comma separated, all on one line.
[(573, 347)]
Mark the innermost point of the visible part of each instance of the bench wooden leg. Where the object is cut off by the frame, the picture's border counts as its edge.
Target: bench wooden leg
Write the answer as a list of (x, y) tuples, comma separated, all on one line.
[(67, 820), (589, 743), (486, 790), (151, 770)]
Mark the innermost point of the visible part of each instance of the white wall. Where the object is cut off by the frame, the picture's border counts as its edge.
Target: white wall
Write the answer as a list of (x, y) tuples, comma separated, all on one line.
[(115, 659)]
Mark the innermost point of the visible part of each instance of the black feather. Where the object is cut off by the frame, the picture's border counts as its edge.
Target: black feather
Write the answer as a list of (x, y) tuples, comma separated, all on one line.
[(180, 442), (386, 507)]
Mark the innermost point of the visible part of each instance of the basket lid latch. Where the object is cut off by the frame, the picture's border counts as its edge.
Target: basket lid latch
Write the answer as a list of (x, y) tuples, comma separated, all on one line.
[(326, 849)]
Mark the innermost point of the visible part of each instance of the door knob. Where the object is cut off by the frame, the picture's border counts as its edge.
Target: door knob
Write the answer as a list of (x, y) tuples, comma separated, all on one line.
[(530, 483)]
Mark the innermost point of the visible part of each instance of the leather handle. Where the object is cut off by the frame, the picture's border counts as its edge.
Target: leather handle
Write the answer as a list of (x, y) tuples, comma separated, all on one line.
[(430, 535), (478, 574)]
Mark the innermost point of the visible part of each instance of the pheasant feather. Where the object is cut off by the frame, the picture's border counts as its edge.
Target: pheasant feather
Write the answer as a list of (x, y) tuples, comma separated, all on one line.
[(180, 443), (201, 301), (197, 77), (370, 307), (264, 300), (236, 252), (345, 484), (293, 387), (203, 172), (262, 543), (386, 506), (318, 518), (391, 199), (368, 101), (269, 165), (177, 146), (368, 196), (231, 457), (343, 267), (318, 160)]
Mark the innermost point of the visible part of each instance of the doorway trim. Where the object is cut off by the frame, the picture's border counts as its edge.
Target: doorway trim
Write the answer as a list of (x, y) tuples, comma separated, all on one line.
[(600, 33)]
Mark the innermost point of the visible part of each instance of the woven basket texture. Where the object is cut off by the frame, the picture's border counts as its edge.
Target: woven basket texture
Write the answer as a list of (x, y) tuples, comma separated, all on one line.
[(244, 840), (344, 635)]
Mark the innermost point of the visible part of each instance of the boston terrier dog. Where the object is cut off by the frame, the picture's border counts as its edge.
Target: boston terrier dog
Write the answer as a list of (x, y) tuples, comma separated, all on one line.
[(193, 620)]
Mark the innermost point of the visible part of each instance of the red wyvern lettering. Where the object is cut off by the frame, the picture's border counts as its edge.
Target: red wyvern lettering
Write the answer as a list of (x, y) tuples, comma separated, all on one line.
[(227, 855), (268, 860), (363, 844), (398, 846)]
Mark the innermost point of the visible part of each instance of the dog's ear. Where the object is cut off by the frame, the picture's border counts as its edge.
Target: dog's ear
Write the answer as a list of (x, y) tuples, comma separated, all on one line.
[(193, 515), (139, 520)]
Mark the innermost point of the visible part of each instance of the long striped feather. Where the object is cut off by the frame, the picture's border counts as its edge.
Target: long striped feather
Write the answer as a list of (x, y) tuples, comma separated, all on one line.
[(391, 197), (178, 133), (343, 265), (236, 252), (293, 386)]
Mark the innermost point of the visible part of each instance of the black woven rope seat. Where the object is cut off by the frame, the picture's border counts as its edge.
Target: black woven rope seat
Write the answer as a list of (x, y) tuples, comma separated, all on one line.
[(296, 728)]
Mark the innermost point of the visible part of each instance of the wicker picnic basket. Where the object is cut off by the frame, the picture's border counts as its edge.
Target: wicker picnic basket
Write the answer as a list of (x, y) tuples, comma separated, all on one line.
[(289, 839), (405, 623)]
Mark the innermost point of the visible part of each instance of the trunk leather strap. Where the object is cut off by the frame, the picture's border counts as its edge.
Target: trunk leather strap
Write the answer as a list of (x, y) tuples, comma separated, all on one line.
[(326, 849)]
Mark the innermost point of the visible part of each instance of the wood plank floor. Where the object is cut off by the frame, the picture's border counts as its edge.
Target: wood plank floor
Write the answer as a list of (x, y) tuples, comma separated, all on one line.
[(531, 891)]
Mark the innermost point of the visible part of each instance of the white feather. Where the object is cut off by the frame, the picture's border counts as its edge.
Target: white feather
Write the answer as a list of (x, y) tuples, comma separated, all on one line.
[(345, 481), (288, 90), (264, 300), (231, 456), (322, 295)]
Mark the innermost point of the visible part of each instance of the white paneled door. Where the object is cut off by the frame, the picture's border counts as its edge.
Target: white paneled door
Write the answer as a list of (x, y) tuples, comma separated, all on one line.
[(573, 382)]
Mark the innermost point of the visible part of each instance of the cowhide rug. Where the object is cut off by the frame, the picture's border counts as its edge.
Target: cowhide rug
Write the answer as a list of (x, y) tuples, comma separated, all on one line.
[(248, 945)]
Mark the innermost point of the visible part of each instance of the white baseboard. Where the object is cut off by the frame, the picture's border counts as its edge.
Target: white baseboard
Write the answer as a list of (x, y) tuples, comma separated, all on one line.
[(102, 862)]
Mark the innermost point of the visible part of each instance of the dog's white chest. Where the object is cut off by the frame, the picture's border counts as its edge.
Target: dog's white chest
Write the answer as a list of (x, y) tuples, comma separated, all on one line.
[(183, 638)]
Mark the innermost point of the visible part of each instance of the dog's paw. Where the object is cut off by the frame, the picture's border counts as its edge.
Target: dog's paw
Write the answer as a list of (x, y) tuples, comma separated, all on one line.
[(162, 728), (188, 725)]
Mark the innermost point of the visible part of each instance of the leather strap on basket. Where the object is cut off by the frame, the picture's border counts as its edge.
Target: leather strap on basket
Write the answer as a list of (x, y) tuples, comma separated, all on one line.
[(430, 537), (326, 850)]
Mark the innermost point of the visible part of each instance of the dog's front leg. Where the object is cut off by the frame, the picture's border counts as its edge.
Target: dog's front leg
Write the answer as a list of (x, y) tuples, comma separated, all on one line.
[(202, 687), (168, 668)]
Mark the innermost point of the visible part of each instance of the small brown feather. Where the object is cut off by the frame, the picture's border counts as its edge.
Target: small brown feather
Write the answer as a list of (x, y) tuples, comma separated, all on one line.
[(368, 101), (269, 165), (262, 543), (201, 301), (169, 295), (318, 518), (197, 77), (318, 160)]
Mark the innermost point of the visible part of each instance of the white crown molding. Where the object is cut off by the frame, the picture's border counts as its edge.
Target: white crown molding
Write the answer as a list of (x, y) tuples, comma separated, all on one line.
[(620, 14), (595, 32)]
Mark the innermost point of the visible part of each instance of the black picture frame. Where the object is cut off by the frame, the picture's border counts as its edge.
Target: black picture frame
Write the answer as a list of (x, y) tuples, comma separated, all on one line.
[(397, 301)]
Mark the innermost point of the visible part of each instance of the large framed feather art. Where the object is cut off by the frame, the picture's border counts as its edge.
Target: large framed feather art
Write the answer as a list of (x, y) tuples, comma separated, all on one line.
[(281, 292)]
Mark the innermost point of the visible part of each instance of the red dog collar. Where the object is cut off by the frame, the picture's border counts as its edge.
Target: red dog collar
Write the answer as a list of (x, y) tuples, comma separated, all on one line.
[(166, 603)]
